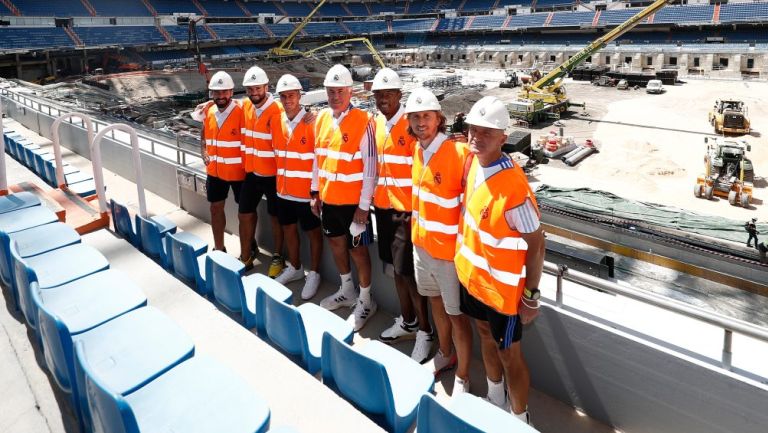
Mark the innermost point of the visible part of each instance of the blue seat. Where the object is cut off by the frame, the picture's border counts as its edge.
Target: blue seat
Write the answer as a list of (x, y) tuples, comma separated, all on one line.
[(31, 242), (121, 218), (50, 173), (187, 257), (236, 293), (298, 331), (17, 201), (22, 219), (83, 188), (378, 379), (53, 269), (467, 414), (150, 233), (39, 160), (198, 395), (27, 149)]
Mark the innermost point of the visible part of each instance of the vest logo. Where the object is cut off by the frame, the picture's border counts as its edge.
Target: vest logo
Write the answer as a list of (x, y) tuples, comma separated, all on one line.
[(234, 131), (484, 213), (401, 141), (303, 140), (345, 137), (438, 178)]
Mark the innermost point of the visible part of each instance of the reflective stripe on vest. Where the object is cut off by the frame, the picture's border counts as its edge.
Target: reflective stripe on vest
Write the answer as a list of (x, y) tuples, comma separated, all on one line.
[(339, 161), (258, 151), (436, 191), (395, 151), (223, 145), (490, 258), (294, 157)]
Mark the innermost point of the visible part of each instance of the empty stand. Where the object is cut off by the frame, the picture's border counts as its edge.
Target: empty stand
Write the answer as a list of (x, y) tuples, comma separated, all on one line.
[(367, 27), (324, 28), (239, 31), (451, 24), (562, 19), (123, 8), (684, 14), (357, 9), (484, 5), (734, 12), (168, 7), (34, 37), (119, 35), (531, 20), (219, 8), (419, 25), (488, 22), (48, 8), (281, 30)]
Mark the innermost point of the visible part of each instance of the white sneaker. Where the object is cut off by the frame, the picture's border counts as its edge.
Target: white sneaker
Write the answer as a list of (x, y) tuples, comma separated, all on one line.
[(310, 286), (423, 347), (460, 386), (506, 405), (399, 331), (363, 312), (290, 274), (441, 363), (342, 298), (524, 417)]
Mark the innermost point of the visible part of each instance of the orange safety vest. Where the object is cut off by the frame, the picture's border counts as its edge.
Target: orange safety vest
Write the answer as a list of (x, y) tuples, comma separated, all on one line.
[(258, 152), (437, 187), (223, 144), (339, 161), (395, 152), (490, 256), (295, 153)]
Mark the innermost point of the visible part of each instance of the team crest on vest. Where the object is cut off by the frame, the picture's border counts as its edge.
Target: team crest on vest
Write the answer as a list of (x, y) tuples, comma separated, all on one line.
[(438, 178), (401, 141), (303, 140), (345, 137), (484, 213), (234, 131)]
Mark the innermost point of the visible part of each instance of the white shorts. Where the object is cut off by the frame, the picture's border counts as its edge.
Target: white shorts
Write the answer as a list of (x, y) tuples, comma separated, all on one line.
[(436, 277)]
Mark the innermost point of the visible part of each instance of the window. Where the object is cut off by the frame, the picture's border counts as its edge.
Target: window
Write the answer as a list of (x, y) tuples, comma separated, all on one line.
[(628, 60), (673, 61), (724, 62), (552, 58), (750, 63), (519, 57), (695, 62), (588, 59), (463, 57), (607, 60), (649, 60)]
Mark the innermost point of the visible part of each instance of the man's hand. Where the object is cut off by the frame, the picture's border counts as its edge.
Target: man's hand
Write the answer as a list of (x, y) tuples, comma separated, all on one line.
[(309, 117), (361, 216), (206, 158), (316, 206), (204, 106), (527, 314)]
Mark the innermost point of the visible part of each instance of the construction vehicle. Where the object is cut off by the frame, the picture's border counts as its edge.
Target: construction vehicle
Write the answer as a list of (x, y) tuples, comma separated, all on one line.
[(727, 172), (193, 44), (365, 41), (510, 80), (729, 117), (549, 88), (285, 49)]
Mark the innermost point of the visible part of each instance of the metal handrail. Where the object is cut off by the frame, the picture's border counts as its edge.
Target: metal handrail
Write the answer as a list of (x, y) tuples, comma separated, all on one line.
[(60, 180), (3, 172), (98, 173), (728, 324)]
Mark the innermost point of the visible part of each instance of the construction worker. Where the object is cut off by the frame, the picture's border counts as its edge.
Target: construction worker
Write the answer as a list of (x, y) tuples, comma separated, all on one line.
[(220, 142), (295, 153), (343, 180), (262, 119), (437, 185), (751, 228), (500, 254), (392, 205)]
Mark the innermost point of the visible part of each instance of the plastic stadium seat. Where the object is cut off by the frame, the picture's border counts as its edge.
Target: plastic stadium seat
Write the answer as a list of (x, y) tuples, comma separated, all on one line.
[(187, 256), (49, 174), (122, 221), (31, 242), (198, 395), (26, 149), (467, 414), (298, 331), (85, 188), (17, 201), (236, 293), (22, 219), (150, 233), (52, 269), (378, 379)]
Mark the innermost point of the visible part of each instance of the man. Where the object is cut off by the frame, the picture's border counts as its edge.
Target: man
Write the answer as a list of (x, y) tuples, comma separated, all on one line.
[(262, 119), (500, 254), (751, 227), (343, 180), (437, 185), (295, 153), (220, 142), (392, 204)]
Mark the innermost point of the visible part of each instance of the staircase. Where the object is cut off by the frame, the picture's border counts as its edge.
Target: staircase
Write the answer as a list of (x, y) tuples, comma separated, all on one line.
[(72, 35), (496, 5), (210, 30), (469, 22), (89, 7), (650, 18), (167, 36), (12, 7), (244, 9), (389, 26), (549, 18), (267, 30), (200, 8), (280, 8), (149, 7), (533, 5), (407, 6), (346, 9), (596, 19), (344, 26), (716, 14)]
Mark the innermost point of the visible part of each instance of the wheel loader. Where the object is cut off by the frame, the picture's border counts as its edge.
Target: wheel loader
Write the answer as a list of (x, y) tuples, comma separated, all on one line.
[(729, 117)]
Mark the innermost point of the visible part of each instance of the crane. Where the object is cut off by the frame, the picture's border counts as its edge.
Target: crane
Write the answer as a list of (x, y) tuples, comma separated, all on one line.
[(548, 88), (365, 42), (193, 44), (284, 49)]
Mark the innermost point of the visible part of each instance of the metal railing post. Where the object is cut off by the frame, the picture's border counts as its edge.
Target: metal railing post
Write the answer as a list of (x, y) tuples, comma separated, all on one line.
[(561, 271), (727, 348), (98, 175), (3, 172), (60, 180)]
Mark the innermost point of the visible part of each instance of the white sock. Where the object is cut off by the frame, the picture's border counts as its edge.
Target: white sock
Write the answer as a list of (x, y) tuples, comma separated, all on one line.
[(346, 282), (496, 391), (365, 294), (523, 416)]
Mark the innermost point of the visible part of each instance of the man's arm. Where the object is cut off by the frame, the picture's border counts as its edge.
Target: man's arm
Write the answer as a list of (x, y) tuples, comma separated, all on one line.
[(203, 149), (370, 166), (534, 266)]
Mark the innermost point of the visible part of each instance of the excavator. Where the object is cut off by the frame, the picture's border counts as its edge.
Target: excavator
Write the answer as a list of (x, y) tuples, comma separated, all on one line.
[(548, 94)]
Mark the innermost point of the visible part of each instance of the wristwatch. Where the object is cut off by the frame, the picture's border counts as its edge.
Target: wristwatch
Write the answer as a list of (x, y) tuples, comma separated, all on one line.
[(314, 194), (532, 294)]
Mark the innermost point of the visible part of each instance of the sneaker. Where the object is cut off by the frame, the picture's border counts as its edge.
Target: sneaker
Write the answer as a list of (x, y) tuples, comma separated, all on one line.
[(339, 299), (276, 266), (363, 312), (248, 263), (524, 417), (441, 363), (290, 274), (399, 331), (506, 405), (423, 346), (310, 285), (460, 386), (500, 399)]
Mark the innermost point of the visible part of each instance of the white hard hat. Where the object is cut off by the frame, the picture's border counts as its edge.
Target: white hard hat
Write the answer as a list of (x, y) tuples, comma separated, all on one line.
[(386, 79), (221, 81), (338, 76), (255, 77), (489, 112), (288, 82), (422, 99)]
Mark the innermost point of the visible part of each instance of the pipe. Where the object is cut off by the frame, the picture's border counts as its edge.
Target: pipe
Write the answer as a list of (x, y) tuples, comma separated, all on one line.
[(571, 153), (98, 175), (60, 180), (3, 172), (577, 158)]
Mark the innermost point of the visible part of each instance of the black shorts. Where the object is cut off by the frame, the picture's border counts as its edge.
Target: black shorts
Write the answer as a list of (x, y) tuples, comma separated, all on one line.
[(217, 189), (504, 329), (336, 220), (290, 212), (254, 187), (394, 238)]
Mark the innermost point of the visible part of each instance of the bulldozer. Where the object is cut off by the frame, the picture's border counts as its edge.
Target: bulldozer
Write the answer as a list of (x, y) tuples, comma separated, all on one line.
[(729, 117), (728, 172)]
